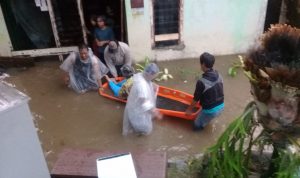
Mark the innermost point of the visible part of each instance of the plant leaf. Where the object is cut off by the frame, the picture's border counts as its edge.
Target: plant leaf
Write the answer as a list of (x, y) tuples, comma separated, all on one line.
[(232, 71), (140, 66)]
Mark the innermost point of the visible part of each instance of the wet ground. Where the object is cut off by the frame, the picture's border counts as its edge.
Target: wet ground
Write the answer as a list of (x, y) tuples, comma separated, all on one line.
[(66, 119)]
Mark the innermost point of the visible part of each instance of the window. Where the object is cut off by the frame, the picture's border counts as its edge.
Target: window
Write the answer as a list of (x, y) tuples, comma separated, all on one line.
[(166, 22)]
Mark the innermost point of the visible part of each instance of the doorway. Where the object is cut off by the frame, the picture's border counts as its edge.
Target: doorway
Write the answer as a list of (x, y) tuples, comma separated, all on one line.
[(28, 25), (114, 11), (273, 13), (68, 25)]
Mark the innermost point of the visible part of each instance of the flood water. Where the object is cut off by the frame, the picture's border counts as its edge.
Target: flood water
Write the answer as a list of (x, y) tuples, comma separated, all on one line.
[(65, 119)]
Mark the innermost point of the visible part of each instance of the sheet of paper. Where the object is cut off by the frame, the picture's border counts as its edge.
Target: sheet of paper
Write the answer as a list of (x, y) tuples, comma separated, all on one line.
[(116, 166)]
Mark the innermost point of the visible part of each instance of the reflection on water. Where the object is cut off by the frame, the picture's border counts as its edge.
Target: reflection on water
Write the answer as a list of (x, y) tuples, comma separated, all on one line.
[(66, 119)]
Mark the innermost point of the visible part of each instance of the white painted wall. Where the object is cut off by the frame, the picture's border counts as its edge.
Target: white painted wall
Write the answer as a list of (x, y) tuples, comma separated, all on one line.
[(139, 30), (5, 44), (220, 27), (20, 150)]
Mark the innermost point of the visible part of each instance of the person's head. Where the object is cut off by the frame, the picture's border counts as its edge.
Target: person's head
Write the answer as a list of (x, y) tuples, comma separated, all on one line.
[(113, 46), (207, 61), (101, 21), (151, 71), (83, 51), (127, 71), (93, 20)]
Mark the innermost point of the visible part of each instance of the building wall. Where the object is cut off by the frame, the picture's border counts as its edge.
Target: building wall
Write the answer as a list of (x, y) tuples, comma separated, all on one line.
[(220, 27), (5, 44)]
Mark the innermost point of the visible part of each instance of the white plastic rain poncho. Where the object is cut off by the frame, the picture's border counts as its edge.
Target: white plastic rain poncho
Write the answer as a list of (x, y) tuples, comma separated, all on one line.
[(140, 104), (83, 73)]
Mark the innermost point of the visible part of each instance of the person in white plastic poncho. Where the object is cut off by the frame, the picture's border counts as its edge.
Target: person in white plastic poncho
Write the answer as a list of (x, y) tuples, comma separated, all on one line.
[(141, 103), (83, 70)]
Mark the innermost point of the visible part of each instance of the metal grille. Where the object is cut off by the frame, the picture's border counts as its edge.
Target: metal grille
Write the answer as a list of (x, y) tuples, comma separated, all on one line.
[(166, 13), (68, 22)]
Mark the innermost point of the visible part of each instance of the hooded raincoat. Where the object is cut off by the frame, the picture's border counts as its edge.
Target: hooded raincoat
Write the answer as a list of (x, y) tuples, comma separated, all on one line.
[(141, 101), (83, 73)]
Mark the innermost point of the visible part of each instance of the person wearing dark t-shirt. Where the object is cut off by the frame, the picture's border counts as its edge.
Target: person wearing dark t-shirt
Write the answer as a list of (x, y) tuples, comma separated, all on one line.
[(209, 92), (103, 35)]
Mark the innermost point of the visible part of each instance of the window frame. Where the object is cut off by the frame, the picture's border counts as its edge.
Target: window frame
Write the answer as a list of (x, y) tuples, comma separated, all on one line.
[(170, 36)]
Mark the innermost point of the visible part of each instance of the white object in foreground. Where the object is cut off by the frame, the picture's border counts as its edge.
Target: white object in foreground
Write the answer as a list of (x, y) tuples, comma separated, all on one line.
[(116, 166)]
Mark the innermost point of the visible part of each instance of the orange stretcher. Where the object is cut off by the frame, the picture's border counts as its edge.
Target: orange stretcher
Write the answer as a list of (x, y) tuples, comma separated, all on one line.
[(165, 92)]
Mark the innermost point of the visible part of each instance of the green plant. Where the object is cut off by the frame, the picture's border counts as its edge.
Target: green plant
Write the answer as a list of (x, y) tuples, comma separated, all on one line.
[(162, 76), (230, 156), (141, 66), (288, 164), (232, 71), (273, 69)]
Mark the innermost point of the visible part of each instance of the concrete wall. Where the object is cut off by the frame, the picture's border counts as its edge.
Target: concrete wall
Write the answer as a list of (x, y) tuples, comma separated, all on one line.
[(5, 44), (220, 27)]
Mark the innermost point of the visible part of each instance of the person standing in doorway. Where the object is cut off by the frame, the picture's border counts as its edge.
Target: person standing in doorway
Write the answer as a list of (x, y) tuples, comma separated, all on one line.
[(209, 91), (103, 34)]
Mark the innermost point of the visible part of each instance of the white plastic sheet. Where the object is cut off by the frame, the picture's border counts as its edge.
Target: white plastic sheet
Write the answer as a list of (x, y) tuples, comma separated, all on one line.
[(83, 74), (140, 104), (116, 166)]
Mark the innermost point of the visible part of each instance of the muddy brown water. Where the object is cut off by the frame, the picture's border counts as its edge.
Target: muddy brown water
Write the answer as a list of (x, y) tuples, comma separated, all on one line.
[(65, 119), (168, 104)]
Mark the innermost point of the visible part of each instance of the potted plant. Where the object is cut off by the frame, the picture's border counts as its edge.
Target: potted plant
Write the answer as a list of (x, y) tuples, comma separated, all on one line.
[(269, 124)]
